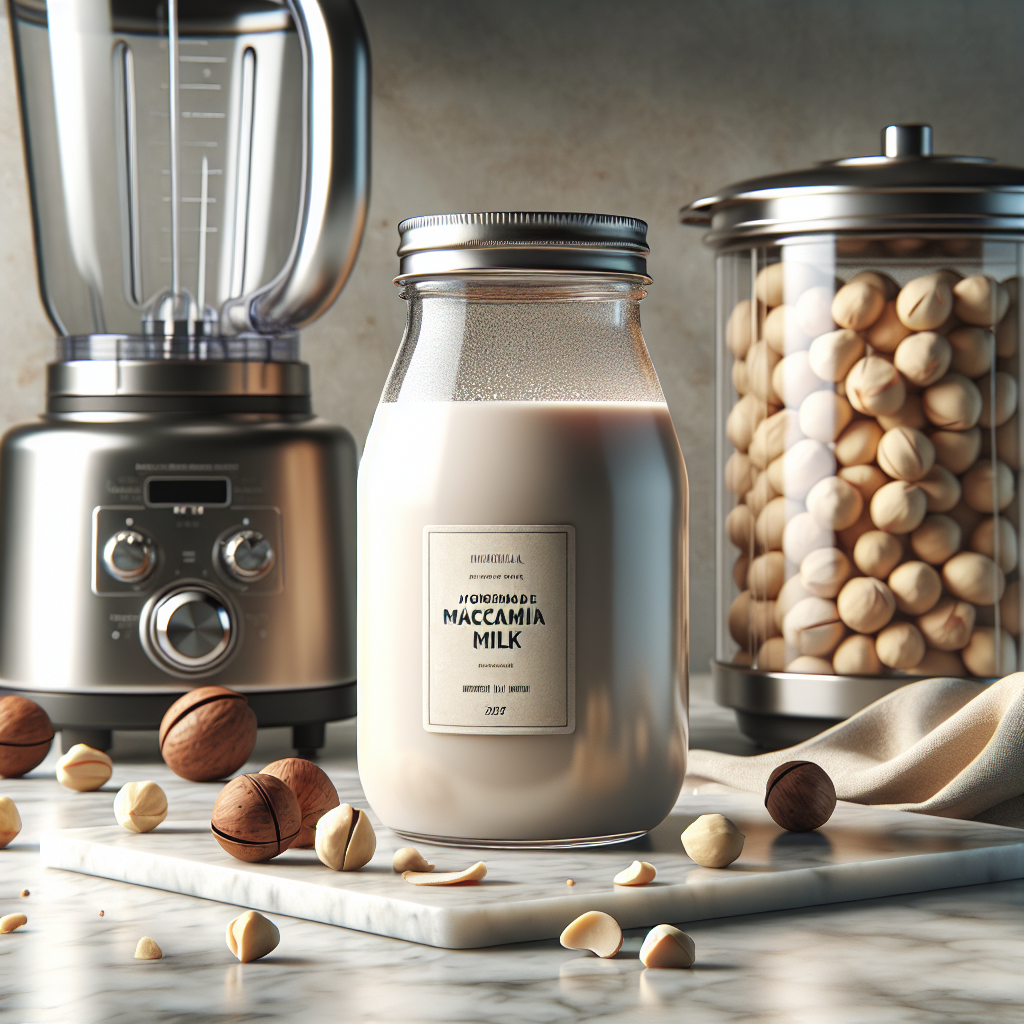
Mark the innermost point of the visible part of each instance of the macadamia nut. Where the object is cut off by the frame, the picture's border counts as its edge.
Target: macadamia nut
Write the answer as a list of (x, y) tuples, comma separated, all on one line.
[(858, 304), (898, 507), (874, 386), (923, 358), (345, 839), (982, 657), (251, 936), (973, 577), (665, 946), (925, 303), (985, 541), (979, 300), (834, 503), (916, 586), (877, 553), (713, 841), (812, 626), (638, 873), (858, 443), (408, 858), (140, 806), (833, 354), (824, 415), (83, 768), (824, 571), (936, 539), (856, 656), (905, 453), (865, 605), (972, 351), (957, 450), (900, 645), (948, 626), (953, 403)]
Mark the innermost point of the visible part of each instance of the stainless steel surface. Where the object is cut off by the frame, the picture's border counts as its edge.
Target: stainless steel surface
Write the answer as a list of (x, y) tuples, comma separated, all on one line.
[(69, 626), (129, 556), (190, 628), (124, 377), (901, 193), (247, 556), (243, 213), (453, 242), (799, 694)]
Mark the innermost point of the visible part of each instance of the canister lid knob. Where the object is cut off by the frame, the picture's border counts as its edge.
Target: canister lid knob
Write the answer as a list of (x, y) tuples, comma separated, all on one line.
[(907, 140)]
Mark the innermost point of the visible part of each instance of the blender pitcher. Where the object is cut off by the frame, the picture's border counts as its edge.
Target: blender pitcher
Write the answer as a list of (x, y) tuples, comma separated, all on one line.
[(198, 176)]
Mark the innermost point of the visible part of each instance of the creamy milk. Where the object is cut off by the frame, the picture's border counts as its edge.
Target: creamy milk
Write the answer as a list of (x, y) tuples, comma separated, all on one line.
[(543, 700)]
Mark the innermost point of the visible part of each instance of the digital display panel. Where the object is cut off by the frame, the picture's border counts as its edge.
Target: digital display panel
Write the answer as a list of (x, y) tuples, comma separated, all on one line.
[(182, 490)]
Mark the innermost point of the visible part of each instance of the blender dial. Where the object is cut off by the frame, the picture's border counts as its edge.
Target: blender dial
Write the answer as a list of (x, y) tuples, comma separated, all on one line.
[(129, 556), (192, 628), (247, 556)]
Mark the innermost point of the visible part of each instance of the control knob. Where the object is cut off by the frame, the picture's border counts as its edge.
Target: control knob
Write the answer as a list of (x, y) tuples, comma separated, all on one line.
[(129, 556), (191, 628), (247, 556)]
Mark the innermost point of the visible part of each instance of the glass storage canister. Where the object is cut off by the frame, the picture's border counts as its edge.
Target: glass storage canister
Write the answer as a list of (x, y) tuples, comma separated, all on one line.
[(522, 655), (868, 433)]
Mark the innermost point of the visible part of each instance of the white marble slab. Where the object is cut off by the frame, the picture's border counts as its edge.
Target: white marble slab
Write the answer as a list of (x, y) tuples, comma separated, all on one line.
[(860, 853)]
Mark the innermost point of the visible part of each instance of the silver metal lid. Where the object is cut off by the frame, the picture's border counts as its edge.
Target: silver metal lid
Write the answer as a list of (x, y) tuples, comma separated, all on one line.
[(906, 191), (451, 243)]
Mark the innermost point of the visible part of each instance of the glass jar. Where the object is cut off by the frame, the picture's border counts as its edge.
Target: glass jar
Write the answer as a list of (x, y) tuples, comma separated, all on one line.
[(868, 435), (522, 543)]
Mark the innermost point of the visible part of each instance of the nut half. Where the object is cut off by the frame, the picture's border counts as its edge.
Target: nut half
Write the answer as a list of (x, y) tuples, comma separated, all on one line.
[(665, 946), (638, 873), (474, 873), (147, 949), (12, 922), (408, 858), (596, 931)]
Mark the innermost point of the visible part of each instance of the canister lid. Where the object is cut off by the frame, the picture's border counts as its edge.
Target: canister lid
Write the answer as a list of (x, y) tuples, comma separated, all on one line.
[(905, 191), (450, 243)]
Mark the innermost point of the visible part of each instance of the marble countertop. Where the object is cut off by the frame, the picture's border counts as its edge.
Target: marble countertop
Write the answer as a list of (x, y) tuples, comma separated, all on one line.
[(951, 955)]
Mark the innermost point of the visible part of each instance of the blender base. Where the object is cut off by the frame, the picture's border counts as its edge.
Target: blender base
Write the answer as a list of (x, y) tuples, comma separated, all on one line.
[(93, 717)]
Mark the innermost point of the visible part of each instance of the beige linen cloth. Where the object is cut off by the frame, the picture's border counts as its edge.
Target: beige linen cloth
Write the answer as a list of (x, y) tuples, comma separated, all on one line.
[(939, 746)]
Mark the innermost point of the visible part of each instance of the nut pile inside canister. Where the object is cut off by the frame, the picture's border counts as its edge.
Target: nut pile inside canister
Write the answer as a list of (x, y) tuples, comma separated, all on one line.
[(874, 457)]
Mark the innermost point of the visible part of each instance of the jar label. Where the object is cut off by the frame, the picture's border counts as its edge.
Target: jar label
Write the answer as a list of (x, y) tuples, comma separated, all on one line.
[(499, 630)]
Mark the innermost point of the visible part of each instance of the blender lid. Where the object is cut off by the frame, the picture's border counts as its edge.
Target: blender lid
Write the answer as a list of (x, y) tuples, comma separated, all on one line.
[(513, 242), (907, 190)]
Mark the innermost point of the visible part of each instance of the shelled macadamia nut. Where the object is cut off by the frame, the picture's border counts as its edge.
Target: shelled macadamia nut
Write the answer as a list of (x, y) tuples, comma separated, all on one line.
[(804, 534), (877, 279), (877, 553), (916, 587), (824, 415), (900, 645), (939, 663), (885, 334), (84, 768), (1009, 608), (983, 540), (741, 328), (814, 311), (856, 656), (833, 354), (980, 300), (953, 403), (867, 479), (865, 604), (10, 821), (983, 483), (773, 436), (923, 358), (811, 665), (973, 577), (408, 858), (981, 657), (936, 539), (140, 806), (955, 450), (858, 443), (834, 503), (713, 841), (1008, 443), (812, 626), (739, 473), (760, 494), (793, 379), (251, 936), (800, 467), (898, 507), (792, 592), (824, 571), (858, 304), (905, 453), (739, 527), (782, 333), (941, 488), (761, 362), (848, 538), (773, 654), (640, 872), (766, 575), (770, 283), (739, 571), (743, 419), (770, 524), (596, 931), (874, 386), (666, 947), (1005, 388), (909, 414), (925, 303), (740, 380), (948, 626), (751, 621), (972, 351)]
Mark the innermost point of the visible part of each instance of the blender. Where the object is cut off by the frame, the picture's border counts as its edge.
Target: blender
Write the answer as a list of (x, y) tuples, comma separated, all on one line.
[(178, 517)]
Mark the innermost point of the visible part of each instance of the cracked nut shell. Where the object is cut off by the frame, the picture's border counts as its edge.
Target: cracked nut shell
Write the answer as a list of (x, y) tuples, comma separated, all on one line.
[(800, 796), (208, 734), (25, 735), (313, 789), (256, 817)]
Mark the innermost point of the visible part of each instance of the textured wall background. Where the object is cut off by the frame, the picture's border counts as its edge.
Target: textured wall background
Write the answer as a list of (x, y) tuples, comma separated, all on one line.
[(611, 107)]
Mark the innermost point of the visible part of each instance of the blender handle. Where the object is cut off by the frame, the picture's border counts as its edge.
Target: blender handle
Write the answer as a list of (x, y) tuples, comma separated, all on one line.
[(336, 159)]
